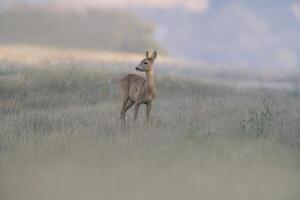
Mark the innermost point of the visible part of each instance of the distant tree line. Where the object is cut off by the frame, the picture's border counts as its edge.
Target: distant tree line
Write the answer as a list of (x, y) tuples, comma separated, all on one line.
[(96, 29)]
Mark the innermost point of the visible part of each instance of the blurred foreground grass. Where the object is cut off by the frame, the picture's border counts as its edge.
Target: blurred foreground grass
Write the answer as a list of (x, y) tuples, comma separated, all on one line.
[(60, 138)]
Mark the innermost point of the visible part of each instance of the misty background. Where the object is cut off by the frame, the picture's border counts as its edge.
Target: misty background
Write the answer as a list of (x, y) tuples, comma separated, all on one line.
[(234, 34)]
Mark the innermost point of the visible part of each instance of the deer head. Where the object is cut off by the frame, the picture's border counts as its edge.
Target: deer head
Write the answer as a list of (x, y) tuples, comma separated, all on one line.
[(146, 64)]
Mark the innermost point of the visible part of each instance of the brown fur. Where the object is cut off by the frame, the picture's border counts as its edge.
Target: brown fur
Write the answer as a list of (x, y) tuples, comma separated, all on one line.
[(138, 90)]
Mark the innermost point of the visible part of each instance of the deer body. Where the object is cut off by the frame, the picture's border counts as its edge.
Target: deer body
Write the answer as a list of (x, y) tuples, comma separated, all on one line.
[(138, 90)]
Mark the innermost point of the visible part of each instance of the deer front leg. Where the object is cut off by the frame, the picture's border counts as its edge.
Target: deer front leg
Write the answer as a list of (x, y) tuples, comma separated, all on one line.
[(136, 110), (148, 110)]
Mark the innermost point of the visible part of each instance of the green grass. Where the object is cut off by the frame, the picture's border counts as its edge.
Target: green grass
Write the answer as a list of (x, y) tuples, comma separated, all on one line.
[(60, 138)]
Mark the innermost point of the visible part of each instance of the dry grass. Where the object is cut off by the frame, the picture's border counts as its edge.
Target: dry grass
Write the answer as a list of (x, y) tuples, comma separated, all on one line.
[(60, 138), (138, 166)]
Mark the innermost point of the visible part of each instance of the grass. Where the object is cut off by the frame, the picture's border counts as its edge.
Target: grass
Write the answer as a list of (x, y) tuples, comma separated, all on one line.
[(60, 138)]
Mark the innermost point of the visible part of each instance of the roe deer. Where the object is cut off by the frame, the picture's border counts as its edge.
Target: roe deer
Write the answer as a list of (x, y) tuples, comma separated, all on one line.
[(138, 90)]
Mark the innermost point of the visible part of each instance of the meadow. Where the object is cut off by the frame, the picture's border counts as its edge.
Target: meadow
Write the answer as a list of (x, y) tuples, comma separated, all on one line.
[(60, 137)]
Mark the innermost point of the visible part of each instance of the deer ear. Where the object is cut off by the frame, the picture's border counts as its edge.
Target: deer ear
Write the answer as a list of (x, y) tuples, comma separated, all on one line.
[(147, 54), (154, 55)]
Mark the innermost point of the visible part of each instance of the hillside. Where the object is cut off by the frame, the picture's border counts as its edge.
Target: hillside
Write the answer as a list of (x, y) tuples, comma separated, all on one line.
[(42, 56)]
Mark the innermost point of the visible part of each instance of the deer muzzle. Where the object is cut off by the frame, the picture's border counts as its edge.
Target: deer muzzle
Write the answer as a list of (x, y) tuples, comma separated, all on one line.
[(138, 69)]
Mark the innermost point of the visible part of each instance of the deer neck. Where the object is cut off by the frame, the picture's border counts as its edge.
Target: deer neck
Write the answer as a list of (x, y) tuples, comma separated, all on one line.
[(150, 86)]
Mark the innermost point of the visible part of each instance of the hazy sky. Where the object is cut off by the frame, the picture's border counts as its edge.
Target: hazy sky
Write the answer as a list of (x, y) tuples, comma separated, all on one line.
[(295, 7), (197, 5)]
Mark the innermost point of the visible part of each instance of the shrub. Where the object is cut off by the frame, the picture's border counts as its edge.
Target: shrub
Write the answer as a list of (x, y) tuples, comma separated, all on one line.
[(259, 124)]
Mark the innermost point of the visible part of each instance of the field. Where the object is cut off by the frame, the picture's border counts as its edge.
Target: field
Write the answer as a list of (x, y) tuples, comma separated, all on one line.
[(60, 136)]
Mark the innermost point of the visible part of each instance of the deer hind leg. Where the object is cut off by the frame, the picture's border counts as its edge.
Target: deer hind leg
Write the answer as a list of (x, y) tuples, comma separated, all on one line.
[(126, 99), (136, 110), (148, 110), (129, 103)]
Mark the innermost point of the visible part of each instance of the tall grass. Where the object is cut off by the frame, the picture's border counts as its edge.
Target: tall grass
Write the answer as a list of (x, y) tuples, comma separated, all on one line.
[(60, 138)]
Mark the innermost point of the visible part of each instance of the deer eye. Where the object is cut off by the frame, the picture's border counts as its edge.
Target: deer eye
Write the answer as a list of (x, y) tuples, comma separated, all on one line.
[(146, 63)]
